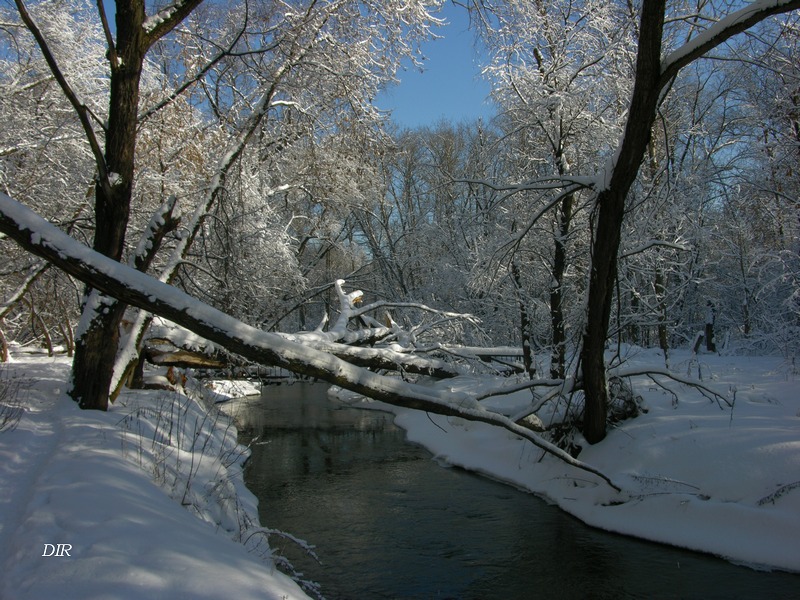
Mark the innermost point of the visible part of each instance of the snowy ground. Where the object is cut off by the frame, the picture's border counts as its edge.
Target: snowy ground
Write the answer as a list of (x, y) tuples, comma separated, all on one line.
[(112, 485), (693, 474), (88, 479)]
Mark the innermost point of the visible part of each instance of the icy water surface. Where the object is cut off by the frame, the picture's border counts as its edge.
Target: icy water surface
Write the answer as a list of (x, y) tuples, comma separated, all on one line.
[(389, 523)]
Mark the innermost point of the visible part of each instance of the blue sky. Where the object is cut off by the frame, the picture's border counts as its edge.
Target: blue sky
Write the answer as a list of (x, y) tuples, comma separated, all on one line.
[(450, 87)]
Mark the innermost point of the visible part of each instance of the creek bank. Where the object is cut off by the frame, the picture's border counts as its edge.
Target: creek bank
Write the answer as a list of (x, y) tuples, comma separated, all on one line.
[(696, 476), (108, 485)]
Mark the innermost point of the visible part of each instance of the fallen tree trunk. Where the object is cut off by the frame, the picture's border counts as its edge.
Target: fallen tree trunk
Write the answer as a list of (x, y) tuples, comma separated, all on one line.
[(184, 359), (133, 287), (375, 359), (384, 359)]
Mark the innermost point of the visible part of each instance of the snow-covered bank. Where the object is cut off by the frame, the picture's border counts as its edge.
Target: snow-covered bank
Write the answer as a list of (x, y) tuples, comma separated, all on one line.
[(697, 476), (86, 480)]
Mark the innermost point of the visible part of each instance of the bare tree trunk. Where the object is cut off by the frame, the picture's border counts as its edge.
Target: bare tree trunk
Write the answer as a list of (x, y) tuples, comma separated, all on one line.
[(33, 274), (65, 329), (558, 358), (3, 345), (161, 223), (524, 323), (96, 344), (610, 213), (663, 339), (38, 321)]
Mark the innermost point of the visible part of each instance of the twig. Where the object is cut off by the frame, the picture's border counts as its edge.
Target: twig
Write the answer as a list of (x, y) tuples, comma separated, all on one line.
[(705, 390), (781, 491)]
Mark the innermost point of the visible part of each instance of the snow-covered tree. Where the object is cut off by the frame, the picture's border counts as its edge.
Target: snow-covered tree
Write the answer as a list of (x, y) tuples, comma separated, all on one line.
[(279, 86), (666, 39), (245, 67), (559, 71), (45, 162)]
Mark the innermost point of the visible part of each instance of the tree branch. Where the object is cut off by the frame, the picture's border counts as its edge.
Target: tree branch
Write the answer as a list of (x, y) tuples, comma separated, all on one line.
[(705, 390), (722, 31), (192, 80), (112, 50), (166, 19), (80, 108), (35, 271), (138, 289)]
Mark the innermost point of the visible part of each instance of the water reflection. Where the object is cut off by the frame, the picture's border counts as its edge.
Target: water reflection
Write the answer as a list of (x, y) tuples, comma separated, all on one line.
[(388, 522)]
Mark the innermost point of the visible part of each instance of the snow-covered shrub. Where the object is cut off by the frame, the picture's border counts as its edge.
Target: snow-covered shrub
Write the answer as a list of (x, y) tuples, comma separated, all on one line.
[(190, 448), (565, 418), (623, 403)]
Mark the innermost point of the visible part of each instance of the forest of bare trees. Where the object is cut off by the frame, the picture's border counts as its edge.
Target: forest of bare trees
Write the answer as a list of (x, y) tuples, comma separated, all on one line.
[(644, 166)]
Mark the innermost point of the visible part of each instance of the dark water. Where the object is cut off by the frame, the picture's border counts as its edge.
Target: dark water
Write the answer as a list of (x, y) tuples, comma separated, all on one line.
[(388, 522)]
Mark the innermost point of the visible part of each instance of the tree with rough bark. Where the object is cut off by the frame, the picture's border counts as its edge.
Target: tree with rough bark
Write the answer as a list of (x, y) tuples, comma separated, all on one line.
[(667, 39), (655, 71), (113, 146)]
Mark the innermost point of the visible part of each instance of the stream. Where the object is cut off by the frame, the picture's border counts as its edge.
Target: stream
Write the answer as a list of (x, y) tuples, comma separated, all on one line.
[(388, 522)]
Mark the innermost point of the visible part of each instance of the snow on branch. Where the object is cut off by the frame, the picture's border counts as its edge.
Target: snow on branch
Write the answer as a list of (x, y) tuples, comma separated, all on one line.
[(720, 32), (347, 303), (424, 307), (373, 330), (161, 222), (655, 244), (133, 287), (567, 183), (165, 20), (34, 272), (82, 110), (386, 359), (191, 79)]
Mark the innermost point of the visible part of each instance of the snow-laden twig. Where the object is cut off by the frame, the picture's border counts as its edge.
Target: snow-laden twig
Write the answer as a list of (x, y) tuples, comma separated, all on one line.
[(721, 31), (34, 272), (83, 112), (424, 307), (655, 244)]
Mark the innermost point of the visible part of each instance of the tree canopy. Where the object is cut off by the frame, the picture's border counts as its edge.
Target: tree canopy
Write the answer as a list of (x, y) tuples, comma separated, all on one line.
[(643, 167)]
